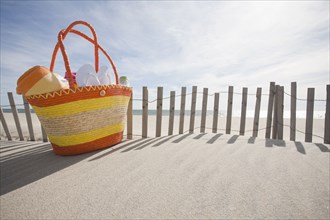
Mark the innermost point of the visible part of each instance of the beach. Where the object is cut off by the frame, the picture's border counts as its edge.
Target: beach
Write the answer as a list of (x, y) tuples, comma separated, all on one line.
[(187, 176), (110, 75)]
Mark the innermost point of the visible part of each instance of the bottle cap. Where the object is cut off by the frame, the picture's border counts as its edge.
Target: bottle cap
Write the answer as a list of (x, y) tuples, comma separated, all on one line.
[(123, 78)]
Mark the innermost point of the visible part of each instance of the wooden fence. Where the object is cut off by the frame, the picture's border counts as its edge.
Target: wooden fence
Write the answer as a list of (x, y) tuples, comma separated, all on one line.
[(274, 122)]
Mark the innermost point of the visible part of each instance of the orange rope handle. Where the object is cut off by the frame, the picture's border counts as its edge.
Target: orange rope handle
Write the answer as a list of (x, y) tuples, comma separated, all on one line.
[(103, 51), (72, 84), (64, 34)]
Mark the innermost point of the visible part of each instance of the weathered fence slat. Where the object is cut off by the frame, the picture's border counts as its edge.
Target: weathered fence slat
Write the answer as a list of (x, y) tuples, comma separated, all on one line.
[(145, 112), (275, 120), (270, 109), (204, 110), (243, 111), (193, 109), (44, 134), (280, 113), (15, 114), (159, 111), (28, 118), (171, 116), (229, 109), (309, 115), (130, 118), (327, 118), (182, 109), (257, 113), (293, 115), (215, 113), (4, 125)]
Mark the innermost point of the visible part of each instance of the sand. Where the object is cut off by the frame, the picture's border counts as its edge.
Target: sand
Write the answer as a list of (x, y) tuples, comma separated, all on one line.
[(189, 176)]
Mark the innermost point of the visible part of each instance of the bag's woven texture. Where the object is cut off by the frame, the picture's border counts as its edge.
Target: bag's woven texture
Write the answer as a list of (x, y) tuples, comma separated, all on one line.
[(82, 119)]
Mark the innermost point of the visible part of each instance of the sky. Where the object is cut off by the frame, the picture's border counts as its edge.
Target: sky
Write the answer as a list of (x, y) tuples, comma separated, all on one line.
[(212, 44)]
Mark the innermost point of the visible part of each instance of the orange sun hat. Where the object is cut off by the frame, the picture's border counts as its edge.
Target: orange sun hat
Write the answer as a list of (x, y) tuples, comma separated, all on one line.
[(38, 80)]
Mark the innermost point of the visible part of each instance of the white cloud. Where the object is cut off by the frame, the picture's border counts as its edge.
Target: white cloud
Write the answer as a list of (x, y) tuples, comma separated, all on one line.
[(174, 44)]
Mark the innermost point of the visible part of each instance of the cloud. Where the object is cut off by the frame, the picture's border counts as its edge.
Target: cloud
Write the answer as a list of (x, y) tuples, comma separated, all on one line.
[(174, 44)]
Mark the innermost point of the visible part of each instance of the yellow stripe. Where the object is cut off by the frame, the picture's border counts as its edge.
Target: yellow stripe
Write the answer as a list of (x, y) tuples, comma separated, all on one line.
[(81, 106), (63, 141), (63, 125)]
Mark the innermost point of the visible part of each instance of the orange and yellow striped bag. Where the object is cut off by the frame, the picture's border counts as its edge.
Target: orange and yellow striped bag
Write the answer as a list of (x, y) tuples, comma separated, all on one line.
[(82, 119)]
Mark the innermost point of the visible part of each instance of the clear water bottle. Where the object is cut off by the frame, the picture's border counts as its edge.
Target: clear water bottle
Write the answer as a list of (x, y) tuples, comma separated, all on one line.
[(123, 80)]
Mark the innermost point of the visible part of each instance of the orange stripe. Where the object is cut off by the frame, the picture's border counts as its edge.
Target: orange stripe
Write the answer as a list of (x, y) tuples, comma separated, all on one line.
[(90, 146), (75, 96), (31, 77)]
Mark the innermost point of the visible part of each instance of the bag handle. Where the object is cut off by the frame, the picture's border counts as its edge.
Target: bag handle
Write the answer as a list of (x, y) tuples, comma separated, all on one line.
[(101, 48), (66, 31), (66, 59), (62, 34)]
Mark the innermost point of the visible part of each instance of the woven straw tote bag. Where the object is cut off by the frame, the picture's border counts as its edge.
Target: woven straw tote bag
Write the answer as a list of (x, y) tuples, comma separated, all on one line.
[(82, 119)]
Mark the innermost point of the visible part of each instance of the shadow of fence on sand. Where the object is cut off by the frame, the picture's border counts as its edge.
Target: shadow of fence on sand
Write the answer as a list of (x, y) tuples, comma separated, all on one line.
[(142, 143), (24, 163)]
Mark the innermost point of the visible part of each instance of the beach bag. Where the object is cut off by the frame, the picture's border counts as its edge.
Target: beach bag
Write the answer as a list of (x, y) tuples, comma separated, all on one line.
[(82, 119)]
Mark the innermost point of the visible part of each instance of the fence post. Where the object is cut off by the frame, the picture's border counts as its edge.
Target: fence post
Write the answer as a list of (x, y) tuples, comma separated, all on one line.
[(275, 120), (130, 118), (172, 111), (215, 113), (28, 118), (257, 113), (44, 134), (280, 112), (193, 109), (309, 115), (4, 125), (229, 108), (145, 112), (182, 109), (159, 111), (243, 111), (327, 118), (293, 115), (204, 110), (270, 109), (15, 114)]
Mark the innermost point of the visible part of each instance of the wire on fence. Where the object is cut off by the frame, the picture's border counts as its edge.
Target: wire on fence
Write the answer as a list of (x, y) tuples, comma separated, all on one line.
[(315, 100), (235, 93)]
